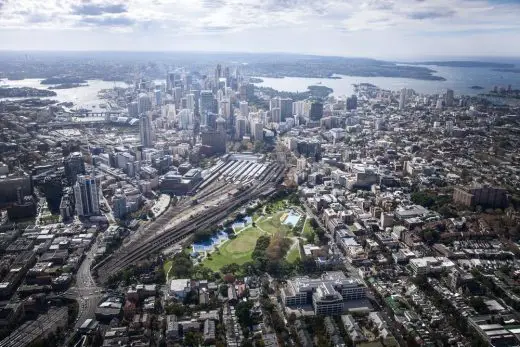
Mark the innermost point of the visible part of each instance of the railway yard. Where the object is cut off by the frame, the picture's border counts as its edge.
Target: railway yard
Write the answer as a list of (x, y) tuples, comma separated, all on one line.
[(228, 186)]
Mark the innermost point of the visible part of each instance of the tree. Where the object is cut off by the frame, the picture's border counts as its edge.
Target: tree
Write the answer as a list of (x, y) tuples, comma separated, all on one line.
[(192, 338), (182, 266), (232, 268), (243, 313)]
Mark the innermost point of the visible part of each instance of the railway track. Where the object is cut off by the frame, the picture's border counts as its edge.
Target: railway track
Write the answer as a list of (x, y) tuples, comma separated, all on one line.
[(178, 232)]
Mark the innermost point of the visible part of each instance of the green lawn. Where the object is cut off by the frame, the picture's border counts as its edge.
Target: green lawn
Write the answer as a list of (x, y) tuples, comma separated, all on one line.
[(308, 230), (273, 225), (237, 251), (166, 267), (294, 253)]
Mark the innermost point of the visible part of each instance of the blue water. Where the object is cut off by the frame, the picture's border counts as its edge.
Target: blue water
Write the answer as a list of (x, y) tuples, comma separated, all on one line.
[(242, 223), (458, 79), (292, 219), (208, 245)]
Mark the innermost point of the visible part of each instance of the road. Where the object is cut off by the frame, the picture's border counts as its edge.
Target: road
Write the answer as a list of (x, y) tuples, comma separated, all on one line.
[(86, 289)]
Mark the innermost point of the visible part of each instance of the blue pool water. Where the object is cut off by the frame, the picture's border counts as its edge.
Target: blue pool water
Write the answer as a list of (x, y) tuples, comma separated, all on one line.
[(292, 219), (208, 245)]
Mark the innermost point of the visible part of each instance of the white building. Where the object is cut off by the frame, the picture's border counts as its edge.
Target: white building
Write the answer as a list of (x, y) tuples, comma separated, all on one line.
[(427, 265), (179, 288)]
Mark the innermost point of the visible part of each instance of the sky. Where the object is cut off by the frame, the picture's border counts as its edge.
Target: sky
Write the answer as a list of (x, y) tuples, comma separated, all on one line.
[(404, 29)]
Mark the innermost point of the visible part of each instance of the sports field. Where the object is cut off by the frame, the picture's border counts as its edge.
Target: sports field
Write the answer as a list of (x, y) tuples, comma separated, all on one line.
[(237, 251)]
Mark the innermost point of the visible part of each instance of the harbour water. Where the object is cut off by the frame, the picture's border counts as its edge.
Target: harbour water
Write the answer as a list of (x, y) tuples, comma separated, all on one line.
[(458, 79), (82, 97)]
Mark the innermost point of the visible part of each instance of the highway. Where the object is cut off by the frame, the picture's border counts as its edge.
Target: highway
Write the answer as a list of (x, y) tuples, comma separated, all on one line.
[(86, 290), (205, 215)]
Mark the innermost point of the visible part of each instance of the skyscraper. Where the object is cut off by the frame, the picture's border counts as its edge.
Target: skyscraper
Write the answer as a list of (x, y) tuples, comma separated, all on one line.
[(274, 103), (351, 103), (170, 81), (186, 119), (74, 166), (145, 104), (86, 196), (190, 102), (316, 110), (158, 97), (206, 105), (449, 98), (133, 109), (286, 108), (119, 204), (276, 115), (145, 131), (402, 99), (244, 109), (225, 109), (218, 74), (240, 128), (257, 130)]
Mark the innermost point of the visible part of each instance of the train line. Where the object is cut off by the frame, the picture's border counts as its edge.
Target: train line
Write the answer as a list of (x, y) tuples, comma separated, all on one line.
[(172, 235)]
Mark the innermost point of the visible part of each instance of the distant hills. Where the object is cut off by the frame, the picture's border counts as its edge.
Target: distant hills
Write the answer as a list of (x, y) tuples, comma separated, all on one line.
[(466, 63)]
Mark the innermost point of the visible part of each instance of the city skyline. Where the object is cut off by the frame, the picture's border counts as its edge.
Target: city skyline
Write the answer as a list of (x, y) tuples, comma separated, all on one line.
[(378, 29)]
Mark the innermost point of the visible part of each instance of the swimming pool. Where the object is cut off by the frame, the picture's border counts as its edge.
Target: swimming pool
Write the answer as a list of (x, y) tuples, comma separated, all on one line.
[(209, 245), (292, 219)]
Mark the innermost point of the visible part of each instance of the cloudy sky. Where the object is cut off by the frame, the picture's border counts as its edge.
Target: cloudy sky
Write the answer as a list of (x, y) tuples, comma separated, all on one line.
[(368, 28)]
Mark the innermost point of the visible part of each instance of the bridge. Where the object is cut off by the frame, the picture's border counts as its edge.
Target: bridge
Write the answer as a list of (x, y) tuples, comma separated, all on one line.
[(97, 114)]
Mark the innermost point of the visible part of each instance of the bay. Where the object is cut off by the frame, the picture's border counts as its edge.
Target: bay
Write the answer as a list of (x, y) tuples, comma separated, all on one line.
[(458, 79), (82, 97)]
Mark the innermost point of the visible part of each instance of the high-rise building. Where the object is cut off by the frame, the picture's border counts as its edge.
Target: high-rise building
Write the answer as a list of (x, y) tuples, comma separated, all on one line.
[(274, 103), (257, 130), (240, 128), (402, 99), (244, 109), (214, 142), (170, 81), (145, 131), (145, 104), (218, 74), (206, 105), (449, 127), (177, 96), (158, 97), (449, 98), (188, 80), (86, 196), (276, 115), (225, 109), (190, 102), (286, 108), (119, 204), (10, 186), (300, 108), (221, 125), (133, 109), (74, 166), (351, 103), (316, 111), (186, 119)]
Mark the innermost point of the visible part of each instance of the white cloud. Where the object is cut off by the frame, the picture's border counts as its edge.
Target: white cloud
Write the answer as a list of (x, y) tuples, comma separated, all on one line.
[(288, 25)]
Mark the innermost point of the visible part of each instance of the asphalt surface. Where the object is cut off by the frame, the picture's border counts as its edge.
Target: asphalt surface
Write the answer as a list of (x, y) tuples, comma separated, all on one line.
[(86, 289)]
